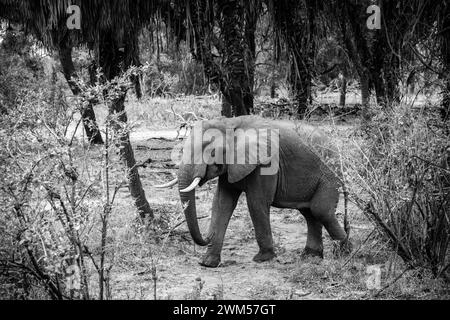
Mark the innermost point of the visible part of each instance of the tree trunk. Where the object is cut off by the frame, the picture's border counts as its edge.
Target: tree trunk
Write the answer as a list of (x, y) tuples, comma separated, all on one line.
[(370, 50), (137, 86), (365, 93), (237, 76), (391, 76), (296, 20), (251, 19), (301, 85), (355, 45), (234, 74), (87, 113), (375, 66), (378, 85), (117, 109), (365, 96), (113, 59), (226, 108), (201, 45), (392, 44), (273, 88), (385, 79), (342, 89)]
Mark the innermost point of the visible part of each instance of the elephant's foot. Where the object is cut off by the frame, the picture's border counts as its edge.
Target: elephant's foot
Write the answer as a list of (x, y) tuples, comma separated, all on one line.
[(210, 260), (265, 255), (310, 252)]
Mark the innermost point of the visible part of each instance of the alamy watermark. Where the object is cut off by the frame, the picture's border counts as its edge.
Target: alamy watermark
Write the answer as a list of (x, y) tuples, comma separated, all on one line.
[(73, 277), (374, 20), (373, 281), (74, 20)]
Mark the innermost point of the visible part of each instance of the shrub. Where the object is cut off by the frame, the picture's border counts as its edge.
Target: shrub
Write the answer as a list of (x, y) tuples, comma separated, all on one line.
[(21, 69), (399, 175), (174, 73), (56, 200)]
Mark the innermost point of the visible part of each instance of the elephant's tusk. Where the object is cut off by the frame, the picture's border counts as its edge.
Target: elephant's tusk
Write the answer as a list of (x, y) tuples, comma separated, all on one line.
[(192, 186), (168, 184)]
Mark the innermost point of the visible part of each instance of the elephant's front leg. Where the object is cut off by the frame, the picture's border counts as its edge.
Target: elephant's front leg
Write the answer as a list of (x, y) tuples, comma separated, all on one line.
[(260, 213), (224, 203)]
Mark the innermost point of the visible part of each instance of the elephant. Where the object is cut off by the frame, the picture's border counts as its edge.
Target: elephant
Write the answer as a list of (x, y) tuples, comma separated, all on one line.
[(299, 180)]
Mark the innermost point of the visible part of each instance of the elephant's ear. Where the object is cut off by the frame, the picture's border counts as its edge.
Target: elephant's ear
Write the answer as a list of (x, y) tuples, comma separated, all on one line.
[(247, 149)]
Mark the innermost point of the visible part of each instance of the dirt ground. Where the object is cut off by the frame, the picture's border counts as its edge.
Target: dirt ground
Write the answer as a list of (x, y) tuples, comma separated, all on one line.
[(167, 268)]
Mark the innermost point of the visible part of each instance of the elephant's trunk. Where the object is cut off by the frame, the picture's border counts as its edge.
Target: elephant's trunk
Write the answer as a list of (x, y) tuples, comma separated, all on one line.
[(185, 178)]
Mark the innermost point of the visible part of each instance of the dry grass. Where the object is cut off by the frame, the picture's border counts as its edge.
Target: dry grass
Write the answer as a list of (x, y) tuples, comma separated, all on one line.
[(156, 113)]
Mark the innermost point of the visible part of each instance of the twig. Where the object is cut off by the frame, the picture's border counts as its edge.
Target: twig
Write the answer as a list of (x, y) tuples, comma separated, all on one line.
[(89, 253)]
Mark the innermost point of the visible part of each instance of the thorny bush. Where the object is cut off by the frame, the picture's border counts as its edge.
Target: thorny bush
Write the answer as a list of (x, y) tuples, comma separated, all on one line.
[(398, 173)]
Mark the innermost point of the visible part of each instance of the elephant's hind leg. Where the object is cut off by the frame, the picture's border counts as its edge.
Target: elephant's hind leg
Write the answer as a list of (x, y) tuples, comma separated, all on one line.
[(323, 208), (314, 244)]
